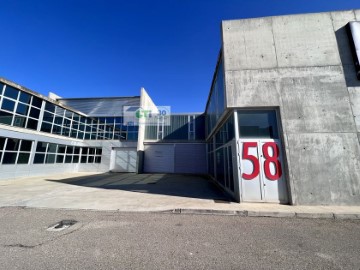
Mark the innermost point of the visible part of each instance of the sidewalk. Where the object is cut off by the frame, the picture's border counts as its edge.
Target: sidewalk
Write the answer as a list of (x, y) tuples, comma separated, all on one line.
[(147, 193)]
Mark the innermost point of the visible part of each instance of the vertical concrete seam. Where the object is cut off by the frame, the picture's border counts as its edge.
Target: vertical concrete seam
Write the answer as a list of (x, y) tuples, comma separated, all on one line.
[(272, 32)]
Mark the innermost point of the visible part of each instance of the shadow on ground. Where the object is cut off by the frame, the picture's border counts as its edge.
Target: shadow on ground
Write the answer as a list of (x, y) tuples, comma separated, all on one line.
[(191, 186)]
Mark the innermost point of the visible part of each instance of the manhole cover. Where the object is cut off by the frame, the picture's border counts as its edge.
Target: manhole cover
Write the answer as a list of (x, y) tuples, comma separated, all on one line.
[(62, 225)]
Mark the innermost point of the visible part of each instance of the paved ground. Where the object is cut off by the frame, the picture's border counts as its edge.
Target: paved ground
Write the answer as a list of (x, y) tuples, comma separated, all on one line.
[(115, 240), (146, 192)]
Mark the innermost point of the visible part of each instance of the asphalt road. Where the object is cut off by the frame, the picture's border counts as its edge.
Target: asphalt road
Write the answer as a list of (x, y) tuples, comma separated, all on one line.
[(113, 240)]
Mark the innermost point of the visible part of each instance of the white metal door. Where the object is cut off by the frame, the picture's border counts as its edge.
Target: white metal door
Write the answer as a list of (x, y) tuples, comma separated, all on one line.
[(123, 160), (261, 171), (159, 158)]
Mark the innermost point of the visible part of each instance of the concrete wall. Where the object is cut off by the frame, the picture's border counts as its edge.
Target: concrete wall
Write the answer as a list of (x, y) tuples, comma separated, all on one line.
[(302, 64)]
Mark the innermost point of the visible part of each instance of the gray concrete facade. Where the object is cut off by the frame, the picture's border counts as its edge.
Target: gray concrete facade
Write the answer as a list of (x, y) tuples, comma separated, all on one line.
[(302, 66)]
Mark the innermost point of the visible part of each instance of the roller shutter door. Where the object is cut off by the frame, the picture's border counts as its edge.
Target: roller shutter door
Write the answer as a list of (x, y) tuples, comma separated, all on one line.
[(190, 158), (159, 158)]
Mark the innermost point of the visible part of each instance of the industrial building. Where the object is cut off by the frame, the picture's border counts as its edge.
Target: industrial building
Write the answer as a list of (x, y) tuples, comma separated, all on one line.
[(281, 123)]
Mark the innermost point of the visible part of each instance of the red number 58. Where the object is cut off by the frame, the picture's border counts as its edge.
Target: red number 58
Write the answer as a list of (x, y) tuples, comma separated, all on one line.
[(268, 160)]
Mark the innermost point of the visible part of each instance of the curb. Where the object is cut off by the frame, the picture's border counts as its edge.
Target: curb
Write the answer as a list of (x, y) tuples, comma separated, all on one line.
[(274, 214)]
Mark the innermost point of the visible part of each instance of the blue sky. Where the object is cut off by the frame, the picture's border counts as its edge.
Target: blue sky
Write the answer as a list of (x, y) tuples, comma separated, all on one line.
[(92, 48)]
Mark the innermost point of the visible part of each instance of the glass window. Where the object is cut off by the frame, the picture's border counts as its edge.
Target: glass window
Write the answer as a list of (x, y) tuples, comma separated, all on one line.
[(36, 102), (97, 159), (68, 159), (91, 159), (56, 129), (32, 124), (12, 144), (69, 149), (58, 120), (46, 127), (9, 158), (41, 147), (75, 159), (48, 117), (19, 121), (99, 151), (22, 109), (5, 118), (84, 150), (11, 92), (23, 158), (83, 159), (65, 131), (39, 158), (77, 151), (258, 124), (91, 151), (2, 143), (49, 107), (25, 97), (26, 145), (61, 149), (34, 113), (52, 148), (59, 158), (8, 105), (50, 158)]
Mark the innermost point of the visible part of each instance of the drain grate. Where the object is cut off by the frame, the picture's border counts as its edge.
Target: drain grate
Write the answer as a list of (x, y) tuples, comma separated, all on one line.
[(62, 225)]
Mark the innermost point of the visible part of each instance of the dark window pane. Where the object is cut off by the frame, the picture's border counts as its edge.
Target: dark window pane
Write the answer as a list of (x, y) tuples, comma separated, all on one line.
[(82, 127), (9, 158), (82, 120), (32, 124), (69, 149), (65, 131), (59, 159), (68, 159), (99, 151), (1, 153), (119, 120), (5, 118), (59, 111), (52, 148), (2, 143), (50, 107), (12, 144), (85, 150), (83, 159), (258, 124), (25, 97), (91, 159), (77, 150), (46, 127), (8, 104), (68, 114), (80, 135), (58, 120), (92, 151), (36, 102), (34, 113), (39, 158), (26, 145), (56, 129), (48, 117), (66, 123), (22, 109), (50, 158), (73, 133), (76, 117), (75, 159), (1, 88), (87, 136), (61, 149), (23, 158), (11, 92), (97, 159), (19, 121), (41, 147)]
